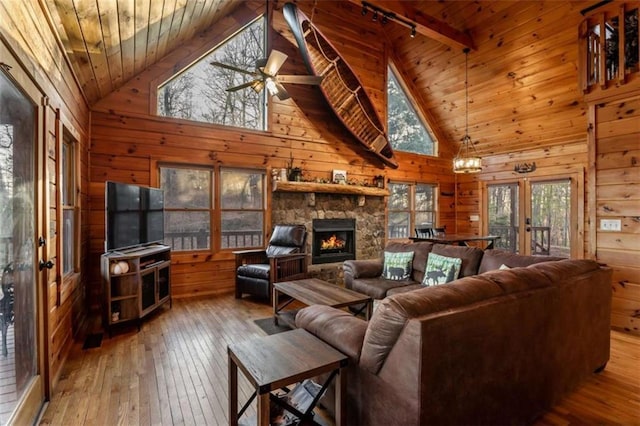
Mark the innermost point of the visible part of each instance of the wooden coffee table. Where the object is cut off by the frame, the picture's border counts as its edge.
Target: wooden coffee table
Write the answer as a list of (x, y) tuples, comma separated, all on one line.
[(273, 362), (312, 291)]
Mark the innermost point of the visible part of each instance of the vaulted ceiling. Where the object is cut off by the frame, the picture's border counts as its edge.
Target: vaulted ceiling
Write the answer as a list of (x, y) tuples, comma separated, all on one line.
[(523, 88), (110, 41)]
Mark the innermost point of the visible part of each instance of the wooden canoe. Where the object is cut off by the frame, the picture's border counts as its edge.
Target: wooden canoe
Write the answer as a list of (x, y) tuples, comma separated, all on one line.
[(340, 85)]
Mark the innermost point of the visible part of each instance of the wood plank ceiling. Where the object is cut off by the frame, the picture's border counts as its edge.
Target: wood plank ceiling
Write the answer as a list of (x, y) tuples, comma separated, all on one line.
[(110, 41)]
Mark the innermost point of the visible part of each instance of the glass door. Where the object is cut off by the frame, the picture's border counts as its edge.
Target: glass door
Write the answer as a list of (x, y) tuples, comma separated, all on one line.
[(21, 383), (534, 217), (502, 204), (549, 222)]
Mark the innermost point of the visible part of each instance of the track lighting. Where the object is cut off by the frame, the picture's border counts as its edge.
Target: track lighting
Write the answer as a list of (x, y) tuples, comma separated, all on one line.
[(387, 16)]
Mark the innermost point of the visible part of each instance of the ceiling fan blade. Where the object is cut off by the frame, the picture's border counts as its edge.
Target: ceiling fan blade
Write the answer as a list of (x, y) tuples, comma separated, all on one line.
[(282, 93), (275, 61), (242, 86), (300, 79), (232, 68)]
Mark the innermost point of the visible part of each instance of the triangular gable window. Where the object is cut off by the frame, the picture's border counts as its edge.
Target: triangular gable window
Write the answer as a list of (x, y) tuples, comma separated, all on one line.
[(407, 129), (199, 92)]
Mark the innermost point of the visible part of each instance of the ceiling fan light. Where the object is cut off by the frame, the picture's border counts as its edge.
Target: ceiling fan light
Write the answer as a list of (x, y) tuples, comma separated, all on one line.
[(271, 86)]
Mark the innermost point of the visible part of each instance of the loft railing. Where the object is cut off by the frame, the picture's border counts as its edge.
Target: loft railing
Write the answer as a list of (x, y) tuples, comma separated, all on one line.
[(609, 48)]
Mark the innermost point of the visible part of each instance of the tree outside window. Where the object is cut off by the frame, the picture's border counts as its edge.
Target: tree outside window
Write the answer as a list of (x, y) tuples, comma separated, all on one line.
[(242, 208), (199, 92), (70, 208), (410, 205), (188, 204), (407, 130)]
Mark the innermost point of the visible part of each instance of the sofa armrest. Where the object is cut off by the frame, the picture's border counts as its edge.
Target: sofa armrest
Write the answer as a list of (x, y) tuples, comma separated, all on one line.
[(246, 257), (338, 328), (288, 267), (354, 269)]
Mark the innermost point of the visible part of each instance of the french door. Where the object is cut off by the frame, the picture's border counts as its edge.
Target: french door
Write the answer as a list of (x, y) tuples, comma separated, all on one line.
[(535, 216), (22, 389)]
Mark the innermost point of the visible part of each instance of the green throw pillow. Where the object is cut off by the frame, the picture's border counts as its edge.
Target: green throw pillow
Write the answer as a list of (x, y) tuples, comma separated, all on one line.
[(397, 265), (441, 269)]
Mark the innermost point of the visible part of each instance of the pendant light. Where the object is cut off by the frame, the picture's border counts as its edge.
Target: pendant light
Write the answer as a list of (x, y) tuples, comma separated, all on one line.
[(467, 160)]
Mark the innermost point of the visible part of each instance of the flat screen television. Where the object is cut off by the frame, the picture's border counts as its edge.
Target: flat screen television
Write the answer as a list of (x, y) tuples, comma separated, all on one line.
[(134, 215)]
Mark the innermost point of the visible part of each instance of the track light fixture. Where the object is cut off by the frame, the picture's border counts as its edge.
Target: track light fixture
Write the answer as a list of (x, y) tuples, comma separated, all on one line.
[(387, 16)]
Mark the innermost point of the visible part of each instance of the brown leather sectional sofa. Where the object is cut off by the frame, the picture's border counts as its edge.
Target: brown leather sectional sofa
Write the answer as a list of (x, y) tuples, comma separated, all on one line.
[(494, 347)]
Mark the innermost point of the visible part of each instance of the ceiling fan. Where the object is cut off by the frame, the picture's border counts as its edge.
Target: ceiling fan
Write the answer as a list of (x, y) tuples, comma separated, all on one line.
[(266, 74)]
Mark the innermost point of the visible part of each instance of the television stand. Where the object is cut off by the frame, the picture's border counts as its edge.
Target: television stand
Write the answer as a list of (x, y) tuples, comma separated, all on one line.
[(135, 283)]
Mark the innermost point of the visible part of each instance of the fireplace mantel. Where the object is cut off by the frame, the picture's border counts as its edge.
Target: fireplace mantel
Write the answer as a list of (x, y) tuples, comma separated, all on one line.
[(329, 188)]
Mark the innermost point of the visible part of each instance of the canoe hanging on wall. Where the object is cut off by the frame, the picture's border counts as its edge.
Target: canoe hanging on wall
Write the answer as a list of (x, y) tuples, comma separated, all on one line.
[(340, 86)]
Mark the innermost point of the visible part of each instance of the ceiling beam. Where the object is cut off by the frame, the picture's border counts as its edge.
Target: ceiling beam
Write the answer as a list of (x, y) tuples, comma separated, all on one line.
[(425, 24)]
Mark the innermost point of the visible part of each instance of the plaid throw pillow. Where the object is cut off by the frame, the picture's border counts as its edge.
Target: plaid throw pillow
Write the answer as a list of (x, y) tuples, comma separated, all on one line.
[(397, 265)]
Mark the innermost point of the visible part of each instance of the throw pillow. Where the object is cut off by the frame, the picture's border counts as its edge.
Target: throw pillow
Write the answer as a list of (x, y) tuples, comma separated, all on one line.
[(441, 269), (397, 265)]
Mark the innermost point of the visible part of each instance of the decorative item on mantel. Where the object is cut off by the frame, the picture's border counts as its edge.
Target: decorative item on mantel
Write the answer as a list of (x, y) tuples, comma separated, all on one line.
[(378, 181), (467, 160), (525, 168)]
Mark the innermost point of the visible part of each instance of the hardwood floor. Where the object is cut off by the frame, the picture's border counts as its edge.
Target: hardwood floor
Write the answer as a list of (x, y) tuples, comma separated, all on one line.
[(174, 371)]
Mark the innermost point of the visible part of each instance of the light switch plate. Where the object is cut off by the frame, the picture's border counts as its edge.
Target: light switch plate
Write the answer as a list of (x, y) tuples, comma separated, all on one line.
[(610, 225), (474, 218)]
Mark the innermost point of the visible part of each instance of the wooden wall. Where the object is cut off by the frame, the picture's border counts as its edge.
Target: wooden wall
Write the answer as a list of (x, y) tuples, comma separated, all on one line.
[(616, 150), (25, 30), (128, 139)]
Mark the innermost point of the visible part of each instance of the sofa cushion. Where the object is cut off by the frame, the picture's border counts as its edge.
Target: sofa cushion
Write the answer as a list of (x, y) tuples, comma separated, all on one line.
[(397, 265), (493, 259), (470, 257), (378, 288), (441, 269), (255, 270), (421, 250)]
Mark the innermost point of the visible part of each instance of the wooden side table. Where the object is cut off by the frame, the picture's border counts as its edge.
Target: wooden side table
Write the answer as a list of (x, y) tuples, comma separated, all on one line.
[(273, 362)]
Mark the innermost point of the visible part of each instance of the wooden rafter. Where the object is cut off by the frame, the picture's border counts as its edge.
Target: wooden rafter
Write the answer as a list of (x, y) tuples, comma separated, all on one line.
[(425, 24)]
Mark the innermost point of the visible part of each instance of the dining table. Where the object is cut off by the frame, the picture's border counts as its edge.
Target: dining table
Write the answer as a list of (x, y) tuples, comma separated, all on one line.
[(459, 239)]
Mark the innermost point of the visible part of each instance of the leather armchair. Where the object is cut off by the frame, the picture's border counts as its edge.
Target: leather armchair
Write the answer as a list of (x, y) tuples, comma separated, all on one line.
[(284, 259)]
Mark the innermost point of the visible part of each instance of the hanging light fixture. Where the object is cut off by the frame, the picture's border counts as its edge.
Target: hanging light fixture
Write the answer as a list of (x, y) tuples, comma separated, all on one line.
[(467, 160)]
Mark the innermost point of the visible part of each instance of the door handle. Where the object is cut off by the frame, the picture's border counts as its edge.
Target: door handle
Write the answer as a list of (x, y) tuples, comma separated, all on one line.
[(48, 264)]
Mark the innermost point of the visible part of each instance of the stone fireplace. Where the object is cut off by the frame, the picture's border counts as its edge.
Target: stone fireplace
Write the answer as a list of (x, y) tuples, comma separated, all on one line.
[(303, 208), (333, 240)]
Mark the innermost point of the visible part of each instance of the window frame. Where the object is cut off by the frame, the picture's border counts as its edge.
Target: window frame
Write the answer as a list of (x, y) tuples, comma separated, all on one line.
[(215, 209), (412, 207), (69, 180), (421, 114), (264, 101)]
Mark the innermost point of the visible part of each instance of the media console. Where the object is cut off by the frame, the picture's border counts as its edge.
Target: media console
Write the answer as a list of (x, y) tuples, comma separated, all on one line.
[(135, 282)]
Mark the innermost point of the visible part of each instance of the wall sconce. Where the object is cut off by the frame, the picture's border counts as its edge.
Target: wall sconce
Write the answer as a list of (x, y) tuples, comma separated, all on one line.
[(525, 167)]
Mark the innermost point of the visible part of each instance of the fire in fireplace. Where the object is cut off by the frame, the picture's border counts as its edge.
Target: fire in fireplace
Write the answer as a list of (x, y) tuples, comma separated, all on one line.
[(333, 240)]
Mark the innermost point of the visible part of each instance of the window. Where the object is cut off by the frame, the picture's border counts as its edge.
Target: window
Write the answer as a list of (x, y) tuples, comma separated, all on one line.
[(200, 93), (407, 129), (410, 205), (191, 210), (70, 208), (188, 204), (242, 208)]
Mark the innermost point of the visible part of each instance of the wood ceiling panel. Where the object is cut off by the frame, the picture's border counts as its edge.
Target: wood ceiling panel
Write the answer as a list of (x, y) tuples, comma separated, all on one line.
[(108, 42)]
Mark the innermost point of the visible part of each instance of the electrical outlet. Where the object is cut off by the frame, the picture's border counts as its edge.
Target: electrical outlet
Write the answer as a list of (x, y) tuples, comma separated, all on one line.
[(610, 225)]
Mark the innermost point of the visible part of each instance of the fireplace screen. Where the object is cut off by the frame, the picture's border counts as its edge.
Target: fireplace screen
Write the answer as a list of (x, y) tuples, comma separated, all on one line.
[(333, 240)]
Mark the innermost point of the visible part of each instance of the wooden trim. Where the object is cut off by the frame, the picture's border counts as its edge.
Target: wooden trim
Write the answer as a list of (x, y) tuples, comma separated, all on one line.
[(329, 188), (591, 186)]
